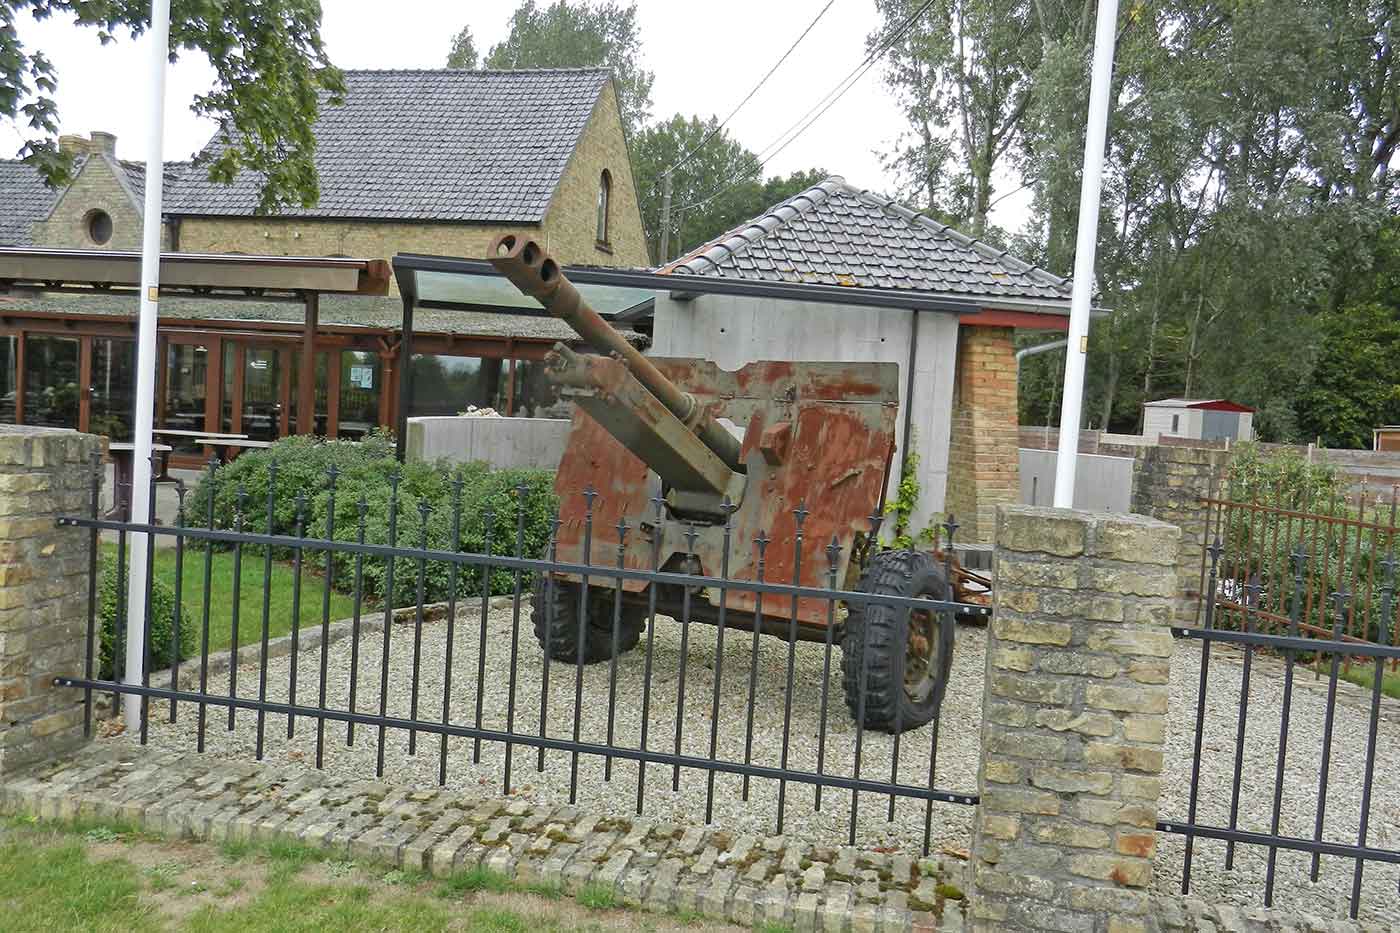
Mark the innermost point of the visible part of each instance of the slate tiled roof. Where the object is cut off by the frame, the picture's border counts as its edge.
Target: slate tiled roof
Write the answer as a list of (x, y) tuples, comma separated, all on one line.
[(24, 199), (439, 145), (836, 234)]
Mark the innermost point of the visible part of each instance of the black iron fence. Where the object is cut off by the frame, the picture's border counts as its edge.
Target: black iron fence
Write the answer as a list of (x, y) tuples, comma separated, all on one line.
[(885, 650), (1240, 613)]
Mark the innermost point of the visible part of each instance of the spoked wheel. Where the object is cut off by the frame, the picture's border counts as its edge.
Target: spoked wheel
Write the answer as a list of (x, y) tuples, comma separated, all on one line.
[(896, 661), (554, 613)]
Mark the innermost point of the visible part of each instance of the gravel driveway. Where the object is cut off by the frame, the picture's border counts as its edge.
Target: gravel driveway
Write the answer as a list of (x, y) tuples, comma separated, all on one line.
[(956, 759)]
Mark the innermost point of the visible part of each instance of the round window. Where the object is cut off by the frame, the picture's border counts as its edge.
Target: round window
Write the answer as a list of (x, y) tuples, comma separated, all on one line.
[(99, 227)]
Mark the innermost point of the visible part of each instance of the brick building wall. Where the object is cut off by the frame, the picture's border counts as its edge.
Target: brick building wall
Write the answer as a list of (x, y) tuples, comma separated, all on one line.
[(569, 230), (100, 185), (983, 461)]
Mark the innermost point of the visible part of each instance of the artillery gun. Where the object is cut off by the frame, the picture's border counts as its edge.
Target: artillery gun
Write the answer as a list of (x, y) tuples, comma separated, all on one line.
[(649, 436)]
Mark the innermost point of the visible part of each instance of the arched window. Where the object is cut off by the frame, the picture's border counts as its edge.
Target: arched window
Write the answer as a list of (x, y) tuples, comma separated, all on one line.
[(604, 195)]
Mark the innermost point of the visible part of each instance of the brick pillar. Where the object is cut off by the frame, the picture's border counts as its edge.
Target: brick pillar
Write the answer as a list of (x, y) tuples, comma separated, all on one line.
[(983, 460), (44, 473), (1169, 483), (1073, 725)]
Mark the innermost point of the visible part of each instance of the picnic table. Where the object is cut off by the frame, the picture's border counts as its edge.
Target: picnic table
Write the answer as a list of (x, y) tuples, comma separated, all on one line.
[(226, 444), (123, 454)]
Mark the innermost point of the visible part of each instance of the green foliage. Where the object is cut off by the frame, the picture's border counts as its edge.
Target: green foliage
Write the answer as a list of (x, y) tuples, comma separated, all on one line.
[(1246, 204), (463, 53), (1258, 543), (902, 507), (269, 65), (579, 34), (365, 474), (707, 181), (597, 897), (160, 613), (473, 879)]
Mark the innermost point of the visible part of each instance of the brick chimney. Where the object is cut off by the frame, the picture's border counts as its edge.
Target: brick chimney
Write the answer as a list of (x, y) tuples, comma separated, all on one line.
[(100, 143), (105, 143)]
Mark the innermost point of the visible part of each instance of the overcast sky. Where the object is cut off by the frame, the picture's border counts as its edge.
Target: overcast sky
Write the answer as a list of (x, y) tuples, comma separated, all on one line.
[(705, 56)]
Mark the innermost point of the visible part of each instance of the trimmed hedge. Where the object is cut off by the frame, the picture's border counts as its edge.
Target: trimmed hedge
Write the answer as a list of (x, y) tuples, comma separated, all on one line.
[(160, 610), (365, 469)]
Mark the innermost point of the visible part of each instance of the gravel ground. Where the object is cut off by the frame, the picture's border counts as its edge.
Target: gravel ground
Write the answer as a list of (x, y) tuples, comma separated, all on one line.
[(957, 749)]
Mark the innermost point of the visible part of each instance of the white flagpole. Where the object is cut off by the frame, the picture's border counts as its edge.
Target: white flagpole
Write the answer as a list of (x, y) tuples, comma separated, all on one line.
[(146, 362), (1067, 460)]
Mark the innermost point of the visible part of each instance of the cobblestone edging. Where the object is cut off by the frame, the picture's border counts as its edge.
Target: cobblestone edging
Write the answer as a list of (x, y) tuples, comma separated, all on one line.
[(652, 865)]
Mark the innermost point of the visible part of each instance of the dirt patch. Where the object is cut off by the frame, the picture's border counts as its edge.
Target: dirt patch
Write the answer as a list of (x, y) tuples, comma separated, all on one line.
[(181, 878)]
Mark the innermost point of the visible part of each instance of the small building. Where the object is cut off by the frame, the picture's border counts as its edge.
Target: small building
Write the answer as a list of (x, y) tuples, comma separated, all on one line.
[(1213, 419), (424, 161), (944, 307), (1386, 437)]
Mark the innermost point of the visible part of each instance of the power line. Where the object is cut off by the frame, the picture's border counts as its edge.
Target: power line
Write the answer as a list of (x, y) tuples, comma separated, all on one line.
[(814, 114), (748, 97)]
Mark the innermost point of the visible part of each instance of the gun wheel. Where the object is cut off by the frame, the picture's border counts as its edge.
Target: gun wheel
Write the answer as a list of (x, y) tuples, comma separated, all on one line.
[(896, 661), (554, 612)]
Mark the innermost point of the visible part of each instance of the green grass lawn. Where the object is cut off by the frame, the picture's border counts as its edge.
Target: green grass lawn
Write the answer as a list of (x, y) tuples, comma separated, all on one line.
[(221, 590), (104, 878), (1364, 675)]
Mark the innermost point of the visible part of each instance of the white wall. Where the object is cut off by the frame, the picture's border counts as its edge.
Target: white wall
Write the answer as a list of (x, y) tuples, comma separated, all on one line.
[(736, 330), (1100, 483), (1157, 420), (501, 442)]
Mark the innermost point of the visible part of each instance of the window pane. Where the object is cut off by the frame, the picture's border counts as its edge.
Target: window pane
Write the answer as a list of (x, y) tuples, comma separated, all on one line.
[(186, 367), (449, 385), (7, 379), (262, 393), (51, 381), (536, 395), (359, 393), (113, 396)]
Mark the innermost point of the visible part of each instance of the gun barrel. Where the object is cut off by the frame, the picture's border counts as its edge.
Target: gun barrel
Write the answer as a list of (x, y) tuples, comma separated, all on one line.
[(529, 269)]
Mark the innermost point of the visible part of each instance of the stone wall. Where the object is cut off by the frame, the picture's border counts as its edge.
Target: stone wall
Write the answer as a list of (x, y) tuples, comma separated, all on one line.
[(983, 453), (1078, 662), (44, 473), (100, 185), (1169, 483)]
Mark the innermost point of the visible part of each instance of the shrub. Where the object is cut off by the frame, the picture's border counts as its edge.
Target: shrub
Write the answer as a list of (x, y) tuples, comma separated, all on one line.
[(1259, 544), (160, 610), (364, 473)]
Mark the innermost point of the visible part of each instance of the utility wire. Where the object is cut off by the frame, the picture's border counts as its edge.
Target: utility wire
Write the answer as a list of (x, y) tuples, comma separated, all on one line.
[(748, 97), (785, 138)]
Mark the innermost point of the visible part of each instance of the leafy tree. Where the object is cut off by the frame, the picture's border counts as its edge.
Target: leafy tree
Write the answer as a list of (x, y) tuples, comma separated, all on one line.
[(962, 72), (1247, 178), (463, 54), (568, 34), (706, 200), (269, 63)]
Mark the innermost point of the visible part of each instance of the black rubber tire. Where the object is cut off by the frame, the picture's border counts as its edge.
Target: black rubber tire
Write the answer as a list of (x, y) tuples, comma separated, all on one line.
[(876, 642), (554, 613)]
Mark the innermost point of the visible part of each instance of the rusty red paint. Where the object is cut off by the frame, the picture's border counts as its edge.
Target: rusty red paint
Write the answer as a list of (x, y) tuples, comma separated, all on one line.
[(817, 434)]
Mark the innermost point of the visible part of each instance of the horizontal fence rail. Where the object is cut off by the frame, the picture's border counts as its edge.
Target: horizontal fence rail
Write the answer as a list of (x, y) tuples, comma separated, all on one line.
[(415, 678), (1249, 591)]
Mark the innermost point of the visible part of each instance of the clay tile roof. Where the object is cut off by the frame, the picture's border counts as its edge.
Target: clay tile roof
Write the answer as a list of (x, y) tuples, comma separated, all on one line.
[(836, 234)]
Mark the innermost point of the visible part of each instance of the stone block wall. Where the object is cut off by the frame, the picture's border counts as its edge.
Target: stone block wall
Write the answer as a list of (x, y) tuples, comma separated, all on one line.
[(1169, 484), (1078, 662), (983, 452), (44, 473), (100, 185)]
